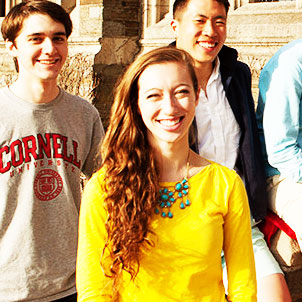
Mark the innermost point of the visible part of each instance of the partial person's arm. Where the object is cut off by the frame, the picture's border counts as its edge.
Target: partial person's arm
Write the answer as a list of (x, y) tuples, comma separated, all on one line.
[(93, 160), (281, 87), (92, 285), (238, 248)]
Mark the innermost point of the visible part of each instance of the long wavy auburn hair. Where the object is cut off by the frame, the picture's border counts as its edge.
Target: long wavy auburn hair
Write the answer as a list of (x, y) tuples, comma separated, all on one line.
[(131, 174)]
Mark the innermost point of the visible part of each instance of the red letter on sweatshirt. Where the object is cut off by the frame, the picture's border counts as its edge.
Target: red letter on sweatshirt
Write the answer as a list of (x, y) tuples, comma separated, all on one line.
[(30, 149), (17, 157), (7, 167)]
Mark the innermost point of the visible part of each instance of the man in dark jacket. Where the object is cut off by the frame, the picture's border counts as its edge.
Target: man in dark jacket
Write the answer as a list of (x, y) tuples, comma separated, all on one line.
[(225, 120)]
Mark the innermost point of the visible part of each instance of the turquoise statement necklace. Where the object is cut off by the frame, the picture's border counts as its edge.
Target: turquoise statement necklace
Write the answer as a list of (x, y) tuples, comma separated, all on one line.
[(169, 195)]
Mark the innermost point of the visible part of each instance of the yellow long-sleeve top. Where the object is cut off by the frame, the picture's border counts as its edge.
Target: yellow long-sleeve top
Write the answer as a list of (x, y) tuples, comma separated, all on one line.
[(185, 264)]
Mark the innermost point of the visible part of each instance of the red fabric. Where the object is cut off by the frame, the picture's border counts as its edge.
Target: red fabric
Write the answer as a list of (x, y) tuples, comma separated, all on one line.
[(271, 224)]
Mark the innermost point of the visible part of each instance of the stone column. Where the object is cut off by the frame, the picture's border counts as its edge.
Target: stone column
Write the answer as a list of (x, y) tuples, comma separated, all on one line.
[(122, 21), (154, 11), (171, 6), (233, 4)]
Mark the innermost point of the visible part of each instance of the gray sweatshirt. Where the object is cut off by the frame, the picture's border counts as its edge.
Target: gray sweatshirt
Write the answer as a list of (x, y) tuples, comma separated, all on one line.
[(43, 149)]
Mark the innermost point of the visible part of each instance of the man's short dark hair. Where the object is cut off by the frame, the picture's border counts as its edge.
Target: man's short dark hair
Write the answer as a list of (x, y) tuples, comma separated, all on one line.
[(13, 22), (180, 5)]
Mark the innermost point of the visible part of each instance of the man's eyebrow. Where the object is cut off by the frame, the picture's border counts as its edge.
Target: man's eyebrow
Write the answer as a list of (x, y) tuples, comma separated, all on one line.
[(59, 33), (34, 34), (215, 17), (220, 17)]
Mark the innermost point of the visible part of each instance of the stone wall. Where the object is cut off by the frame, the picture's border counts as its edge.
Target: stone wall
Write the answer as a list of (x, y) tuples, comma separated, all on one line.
[(258, 30), (122, 21)]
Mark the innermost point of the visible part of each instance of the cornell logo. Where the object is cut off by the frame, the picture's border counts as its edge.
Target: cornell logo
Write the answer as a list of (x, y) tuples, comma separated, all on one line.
[(48, 184)]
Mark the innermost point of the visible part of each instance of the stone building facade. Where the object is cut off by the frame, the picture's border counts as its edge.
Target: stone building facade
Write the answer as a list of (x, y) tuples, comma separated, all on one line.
[(108, 34), (255, 28)]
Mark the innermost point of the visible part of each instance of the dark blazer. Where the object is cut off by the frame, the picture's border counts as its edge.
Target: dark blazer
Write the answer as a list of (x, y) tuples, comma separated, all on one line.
[(236, 80)]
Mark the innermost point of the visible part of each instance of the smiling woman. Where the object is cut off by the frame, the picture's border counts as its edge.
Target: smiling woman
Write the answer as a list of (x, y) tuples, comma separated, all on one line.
[(167, 103), (155, 217)]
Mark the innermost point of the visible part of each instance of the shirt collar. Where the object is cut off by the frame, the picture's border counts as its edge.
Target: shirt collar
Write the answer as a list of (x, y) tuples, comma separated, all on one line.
[(215, 73)]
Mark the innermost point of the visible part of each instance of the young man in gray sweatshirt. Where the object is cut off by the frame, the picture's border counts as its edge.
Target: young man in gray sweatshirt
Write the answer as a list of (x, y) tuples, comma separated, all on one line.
[(47, 138)]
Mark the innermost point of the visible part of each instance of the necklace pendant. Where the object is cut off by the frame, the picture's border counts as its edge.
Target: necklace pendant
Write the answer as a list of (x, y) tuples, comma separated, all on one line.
[(178, 186), (164, 197), (165, 214), (167, 198)]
